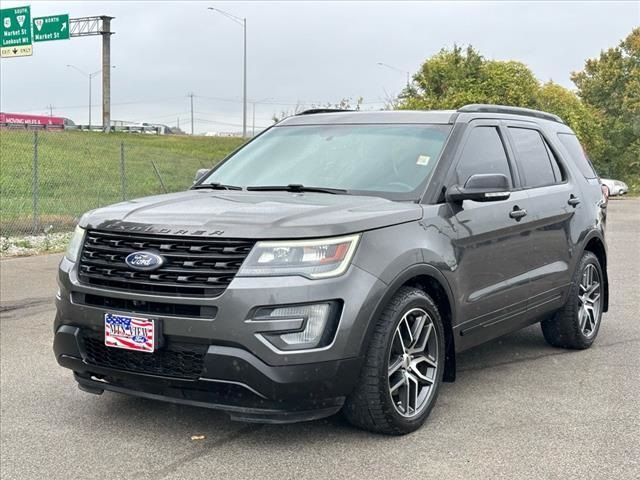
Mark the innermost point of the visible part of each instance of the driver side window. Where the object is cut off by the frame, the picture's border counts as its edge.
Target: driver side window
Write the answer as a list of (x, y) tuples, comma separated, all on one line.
[(483, 153)]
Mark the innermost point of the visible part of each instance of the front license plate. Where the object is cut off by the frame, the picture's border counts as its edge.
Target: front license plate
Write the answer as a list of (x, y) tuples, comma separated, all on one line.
[(130, 333)]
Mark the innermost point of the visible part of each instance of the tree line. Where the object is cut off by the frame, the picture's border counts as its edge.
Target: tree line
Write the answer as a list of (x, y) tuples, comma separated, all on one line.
[(604, 109)]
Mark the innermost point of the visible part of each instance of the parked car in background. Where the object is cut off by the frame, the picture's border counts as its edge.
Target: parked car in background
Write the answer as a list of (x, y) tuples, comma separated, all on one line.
[(340, 261), (616, 187)]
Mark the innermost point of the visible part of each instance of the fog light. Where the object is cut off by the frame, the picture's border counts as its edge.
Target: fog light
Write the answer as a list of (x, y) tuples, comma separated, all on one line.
[(316, 316), (299, 327)]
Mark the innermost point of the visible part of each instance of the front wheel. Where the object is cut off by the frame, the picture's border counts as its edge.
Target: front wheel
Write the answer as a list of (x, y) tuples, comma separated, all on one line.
[(403, 369), (577, 324)]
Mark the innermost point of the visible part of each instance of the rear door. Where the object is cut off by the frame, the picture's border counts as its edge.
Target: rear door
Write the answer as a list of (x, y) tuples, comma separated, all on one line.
[(553, 202), (492, 243)]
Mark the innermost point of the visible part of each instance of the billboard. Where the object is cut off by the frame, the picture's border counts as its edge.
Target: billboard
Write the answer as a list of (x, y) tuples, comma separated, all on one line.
[(25, 119)]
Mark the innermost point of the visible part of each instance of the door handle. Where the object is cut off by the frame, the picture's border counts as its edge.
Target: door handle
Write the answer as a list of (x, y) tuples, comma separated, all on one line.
[(573, 201), (517, 213)]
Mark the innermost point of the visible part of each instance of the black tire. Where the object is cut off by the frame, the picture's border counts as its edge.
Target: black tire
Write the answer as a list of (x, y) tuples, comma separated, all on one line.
[(564, 329), (371, 406)]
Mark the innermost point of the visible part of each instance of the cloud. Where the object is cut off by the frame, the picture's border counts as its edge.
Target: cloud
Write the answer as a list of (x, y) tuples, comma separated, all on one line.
[(297, 52)]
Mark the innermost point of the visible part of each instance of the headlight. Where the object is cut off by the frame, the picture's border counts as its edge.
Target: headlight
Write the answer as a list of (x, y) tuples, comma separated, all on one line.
[(328, 257), (75, 245)]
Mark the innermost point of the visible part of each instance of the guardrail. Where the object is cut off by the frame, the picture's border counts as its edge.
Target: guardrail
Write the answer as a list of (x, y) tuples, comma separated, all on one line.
[(31, 126), (120, 128), (85, 128)]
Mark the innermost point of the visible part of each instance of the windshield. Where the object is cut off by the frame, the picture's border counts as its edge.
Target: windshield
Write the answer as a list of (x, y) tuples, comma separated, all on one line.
[(391, 160)]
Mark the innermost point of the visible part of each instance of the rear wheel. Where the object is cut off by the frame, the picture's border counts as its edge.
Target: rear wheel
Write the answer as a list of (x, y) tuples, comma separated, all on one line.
[(403, 369), (576, 325)]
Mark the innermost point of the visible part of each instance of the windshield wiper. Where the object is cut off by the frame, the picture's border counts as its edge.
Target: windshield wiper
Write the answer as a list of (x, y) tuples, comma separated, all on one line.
[(215, 186), (296, 187)]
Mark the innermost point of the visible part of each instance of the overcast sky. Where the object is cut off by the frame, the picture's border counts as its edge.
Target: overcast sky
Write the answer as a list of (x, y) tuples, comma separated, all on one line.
[(298, 52)]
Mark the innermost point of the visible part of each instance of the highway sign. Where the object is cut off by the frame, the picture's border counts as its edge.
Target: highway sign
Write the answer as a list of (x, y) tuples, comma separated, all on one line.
[(16, 32), (21, 51), (53, 27)]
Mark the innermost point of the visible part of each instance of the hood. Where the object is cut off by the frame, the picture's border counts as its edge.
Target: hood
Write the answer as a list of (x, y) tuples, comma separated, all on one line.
[(255, 215)]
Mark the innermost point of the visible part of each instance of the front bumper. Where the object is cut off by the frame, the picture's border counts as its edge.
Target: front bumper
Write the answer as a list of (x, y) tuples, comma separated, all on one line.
[(233, 380), (241, 373)]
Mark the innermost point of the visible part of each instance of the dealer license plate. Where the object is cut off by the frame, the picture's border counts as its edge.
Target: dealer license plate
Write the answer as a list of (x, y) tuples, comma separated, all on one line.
[(130, 333)]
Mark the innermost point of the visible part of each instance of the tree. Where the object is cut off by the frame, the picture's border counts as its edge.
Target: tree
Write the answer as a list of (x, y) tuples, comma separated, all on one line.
[(582, 118), (611, 85), (453, 78), (456, 77), (344, 104)]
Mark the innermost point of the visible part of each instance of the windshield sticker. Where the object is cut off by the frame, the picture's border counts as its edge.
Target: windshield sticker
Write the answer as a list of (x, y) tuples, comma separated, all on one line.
[(423, 160)]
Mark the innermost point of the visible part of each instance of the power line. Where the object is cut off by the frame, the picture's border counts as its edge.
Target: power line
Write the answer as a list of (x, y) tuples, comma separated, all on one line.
[(220, 99)]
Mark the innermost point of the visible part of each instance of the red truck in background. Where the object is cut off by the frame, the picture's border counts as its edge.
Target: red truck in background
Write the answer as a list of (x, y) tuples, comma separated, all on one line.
[(40, 120)]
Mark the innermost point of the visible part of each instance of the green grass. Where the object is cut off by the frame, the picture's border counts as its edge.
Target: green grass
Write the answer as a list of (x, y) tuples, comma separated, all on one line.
[(79, 171)]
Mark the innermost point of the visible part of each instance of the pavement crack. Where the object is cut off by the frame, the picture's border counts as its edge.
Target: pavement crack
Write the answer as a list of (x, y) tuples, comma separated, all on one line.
[(33, 302), (205, 449)]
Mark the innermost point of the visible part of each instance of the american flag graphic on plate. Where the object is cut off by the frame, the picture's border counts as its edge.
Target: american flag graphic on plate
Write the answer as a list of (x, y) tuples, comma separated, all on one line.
[(130, 333)]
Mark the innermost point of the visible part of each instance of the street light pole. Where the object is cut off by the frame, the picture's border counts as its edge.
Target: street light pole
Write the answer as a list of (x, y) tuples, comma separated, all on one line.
[(382, 64), (244, 80), (90, 76), (254, 102), (243, 23)]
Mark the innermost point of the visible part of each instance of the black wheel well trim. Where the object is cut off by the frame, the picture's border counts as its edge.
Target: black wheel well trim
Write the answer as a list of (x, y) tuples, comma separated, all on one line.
[(415, 275), (594, 243)]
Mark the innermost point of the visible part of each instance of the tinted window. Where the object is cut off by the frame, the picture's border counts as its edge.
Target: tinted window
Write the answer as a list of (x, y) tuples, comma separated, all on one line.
[(577, 153), (483, 153), (533, 159)]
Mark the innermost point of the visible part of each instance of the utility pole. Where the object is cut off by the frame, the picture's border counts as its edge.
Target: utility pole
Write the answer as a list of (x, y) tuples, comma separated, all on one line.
[(50, 107), (191, 96)]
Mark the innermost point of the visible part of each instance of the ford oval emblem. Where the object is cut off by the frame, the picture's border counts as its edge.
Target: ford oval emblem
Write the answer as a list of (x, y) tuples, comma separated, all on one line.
[(144, 261)]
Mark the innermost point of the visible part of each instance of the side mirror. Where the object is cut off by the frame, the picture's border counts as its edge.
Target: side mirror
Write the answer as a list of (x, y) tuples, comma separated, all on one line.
[(489, 187), (200, 173)]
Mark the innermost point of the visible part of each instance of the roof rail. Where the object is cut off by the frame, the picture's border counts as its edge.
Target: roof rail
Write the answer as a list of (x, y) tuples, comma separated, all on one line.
[(487, 108), (311, 111)]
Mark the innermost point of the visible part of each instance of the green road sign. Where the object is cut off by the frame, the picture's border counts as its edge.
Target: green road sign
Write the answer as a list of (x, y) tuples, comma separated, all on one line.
[(16, 31), (53, 27)]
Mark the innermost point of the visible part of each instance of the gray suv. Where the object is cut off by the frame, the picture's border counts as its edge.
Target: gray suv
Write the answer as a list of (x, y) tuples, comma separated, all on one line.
[(339, 261)]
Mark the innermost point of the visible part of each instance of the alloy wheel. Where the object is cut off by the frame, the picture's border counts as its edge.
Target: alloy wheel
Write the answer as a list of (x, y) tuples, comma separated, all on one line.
[(589, 301), (413, 363)]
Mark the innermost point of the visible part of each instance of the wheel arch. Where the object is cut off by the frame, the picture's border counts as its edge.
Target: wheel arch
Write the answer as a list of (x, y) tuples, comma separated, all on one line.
[(594, 243), (431, 281)]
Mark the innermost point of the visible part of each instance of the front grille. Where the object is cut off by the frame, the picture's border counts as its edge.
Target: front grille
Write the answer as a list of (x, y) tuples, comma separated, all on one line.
[(180, 360), (194, 267), (140, 306)]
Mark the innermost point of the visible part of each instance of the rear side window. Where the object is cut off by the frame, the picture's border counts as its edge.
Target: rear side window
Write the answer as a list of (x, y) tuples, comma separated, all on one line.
[(483, 153), (534, 163), (577, 154)]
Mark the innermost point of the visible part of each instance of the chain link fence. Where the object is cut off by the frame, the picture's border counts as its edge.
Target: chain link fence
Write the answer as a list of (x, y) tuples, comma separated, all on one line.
[(49, 178)]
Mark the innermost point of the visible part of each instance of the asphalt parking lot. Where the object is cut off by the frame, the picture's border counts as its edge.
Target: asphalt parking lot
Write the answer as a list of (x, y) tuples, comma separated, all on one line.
[(519, 409)]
